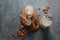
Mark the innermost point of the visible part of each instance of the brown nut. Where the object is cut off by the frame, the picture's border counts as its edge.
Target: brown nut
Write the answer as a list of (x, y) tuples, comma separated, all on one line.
[(21, 27), (43, 10), (14, 35), (18, 32), (21, 34), (48, 7)]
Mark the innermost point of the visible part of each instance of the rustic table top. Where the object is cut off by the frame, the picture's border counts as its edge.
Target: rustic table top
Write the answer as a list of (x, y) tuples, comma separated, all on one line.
[(10, 18)]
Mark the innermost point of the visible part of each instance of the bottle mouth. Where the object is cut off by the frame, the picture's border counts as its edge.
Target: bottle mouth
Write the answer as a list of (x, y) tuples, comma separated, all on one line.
[(46, 21), (29, 10)]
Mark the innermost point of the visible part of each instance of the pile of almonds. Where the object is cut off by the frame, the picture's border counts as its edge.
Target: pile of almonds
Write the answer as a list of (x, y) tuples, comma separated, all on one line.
[(20, 33), (45, 10)]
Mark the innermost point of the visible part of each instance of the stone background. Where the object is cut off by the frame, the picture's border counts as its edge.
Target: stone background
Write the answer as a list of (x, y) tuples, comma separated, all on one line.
[(10, 18)]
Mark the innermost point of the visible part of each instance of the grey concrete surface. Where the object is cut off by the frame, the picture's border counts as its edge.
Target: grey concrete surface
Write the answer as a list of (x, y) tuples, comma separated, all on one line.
[(10, 19)]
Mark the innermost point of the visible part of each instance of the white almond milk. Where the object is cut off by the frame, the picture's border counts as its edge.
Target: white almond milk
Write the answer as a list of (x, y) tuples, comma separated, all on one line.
[(46, 22)]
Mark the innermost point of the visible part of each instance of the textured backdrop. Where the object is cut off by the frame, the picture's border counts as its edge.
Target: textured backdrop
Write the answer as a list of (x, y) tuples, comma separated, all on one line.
[(10, 18)]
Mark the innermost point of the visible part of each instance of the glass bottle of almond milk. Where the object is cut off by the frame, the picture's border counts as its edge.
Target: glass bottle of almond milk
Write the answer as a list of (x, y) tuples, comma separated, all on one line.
[(46, 20)]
